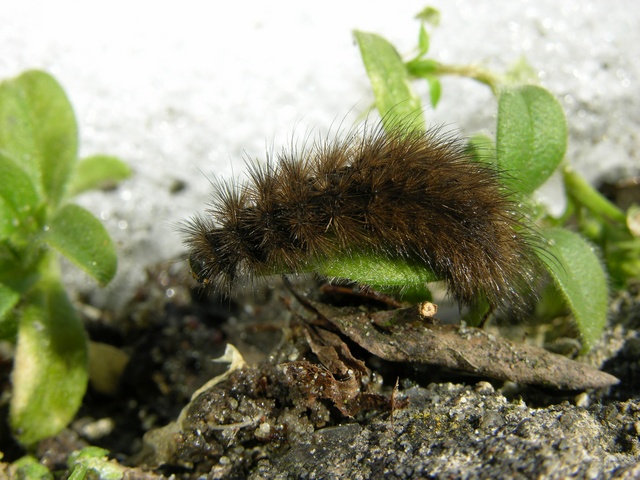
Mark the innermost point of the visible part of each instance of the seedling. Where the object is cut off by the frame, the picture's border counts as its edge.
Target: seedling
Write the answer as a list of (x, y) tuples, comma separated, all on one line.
[(40, 173)]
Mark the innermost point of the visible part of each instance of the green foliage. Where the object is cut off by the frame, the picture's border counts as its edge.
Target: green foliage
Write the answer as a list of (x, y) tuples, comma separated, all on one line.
[(50, 362), (97, 171), (531, 136), (40, 172), (578, 274), (92, 462), (29, 468), (384, 274), (530, 145), (390, 81), (79, 236), (429, 15)]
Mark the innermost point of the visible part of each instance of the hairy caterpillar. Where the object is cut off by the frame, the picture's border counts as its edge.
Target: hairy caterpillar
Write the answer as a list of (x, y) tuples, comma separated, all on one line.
[(401, 194)]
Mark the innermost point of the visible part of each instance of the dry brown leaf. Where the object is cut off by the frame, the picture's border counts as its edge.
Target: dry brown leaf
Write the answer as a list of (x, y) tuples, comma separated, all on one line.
[(403, 335)]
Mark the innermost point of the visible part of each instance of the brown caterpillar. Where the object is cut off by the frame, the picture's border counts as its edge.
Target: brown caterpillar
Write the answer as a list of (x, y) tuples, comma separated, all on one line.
[(399, 194)]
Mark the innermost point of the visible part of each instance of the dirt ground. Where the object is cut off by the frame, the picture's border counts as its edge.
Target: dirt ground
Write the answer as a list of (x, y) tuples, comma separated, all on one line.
[(288, 410)]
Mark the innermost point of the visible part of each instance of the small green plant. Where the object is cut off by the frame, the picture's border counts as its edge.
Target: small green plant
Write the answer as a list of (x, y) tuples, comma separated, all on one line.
[(530, 145), (92, 462), (40, 173), (29, 467)]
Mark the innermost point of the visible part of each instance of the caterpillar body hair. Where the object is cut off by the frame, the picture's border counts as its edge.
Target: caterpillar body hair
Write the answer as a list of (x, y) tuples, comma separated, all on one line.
[(401, 193)]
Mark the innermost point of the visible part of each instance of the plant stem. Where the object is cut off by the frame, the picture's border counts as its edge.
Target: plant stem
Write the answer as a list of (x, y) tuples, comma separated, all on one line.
[(578, 188), (423, 68), (475, 72)]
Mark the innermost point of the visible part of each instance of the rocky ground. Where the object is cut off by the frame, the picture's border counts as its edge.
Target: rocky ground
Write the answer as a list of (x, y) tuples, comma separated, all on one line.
[(289, 401)]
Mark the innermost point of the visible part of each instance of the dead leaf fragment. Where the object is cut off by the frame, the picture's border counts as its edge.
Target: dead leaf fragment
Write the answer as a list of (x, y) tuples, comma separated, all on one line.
[(402, 335), (313, 382)]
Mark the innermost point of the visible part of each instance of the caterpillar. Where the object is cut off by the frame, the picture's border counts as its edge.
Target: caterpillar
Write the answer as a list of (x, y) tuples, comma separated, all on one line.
[(402, 193)]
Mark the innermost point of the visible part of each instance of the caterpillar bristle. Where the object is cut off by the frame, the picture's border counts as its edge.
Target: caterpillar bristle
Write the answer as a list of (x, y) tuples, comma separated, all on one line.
[(401, 193)]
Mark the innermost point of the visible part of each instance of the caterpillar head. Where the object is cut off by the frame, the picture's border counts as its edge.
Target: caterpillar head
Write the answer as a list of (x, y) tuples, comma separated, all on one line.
[(213, 260), (199, 269)]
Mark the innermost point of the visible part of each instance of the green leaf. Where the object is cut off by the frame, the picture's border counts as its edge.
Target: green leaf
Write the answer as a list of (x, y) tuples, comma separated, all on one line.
[(429, 15), (50, 365), (380, 273), (38, 128), (29, 468), (435, 89), (622, 255), (396, 99), (423, 41), (97, 171), (18, 200), (478, 313), (94, 460), (633, 220), (521, 72), (7, 220), (482, 148), (578, 274), (21, 275), (80, 237), (17, 132), (531, 136), (8, 299)]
